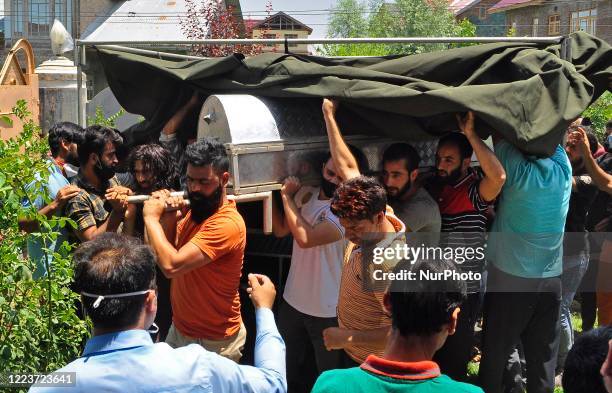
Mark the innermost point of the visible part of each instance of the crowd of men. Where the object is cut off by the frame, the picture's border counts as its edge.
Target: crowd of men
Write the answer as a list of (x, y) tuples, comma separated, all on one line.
[(176, 262)]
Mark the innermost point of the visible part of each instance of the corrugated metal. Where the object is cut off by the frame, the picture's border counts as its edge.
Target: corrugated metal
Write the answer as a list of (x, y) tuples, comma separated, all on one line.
[(140, 20)]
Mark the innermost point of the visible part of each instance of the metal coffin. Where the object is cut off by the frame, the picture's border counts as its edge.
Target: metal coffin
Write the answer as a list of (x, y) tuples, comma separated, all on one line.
[(270, 139)]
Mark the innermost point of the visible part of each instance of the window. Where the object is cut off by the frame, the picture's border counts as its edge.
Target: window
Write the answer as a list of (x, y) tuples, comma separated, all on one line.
[(291, 36), (534, 27), (38, 24), (584, 21), (482, 13), (63, 13), (17, 25), (554, 24)]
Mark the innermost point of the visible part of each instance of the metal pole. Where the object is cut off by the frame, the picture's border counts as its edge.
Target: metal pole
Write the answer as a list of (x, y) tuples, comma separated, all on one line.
[(139, 51), (386, 40), (77, 62)]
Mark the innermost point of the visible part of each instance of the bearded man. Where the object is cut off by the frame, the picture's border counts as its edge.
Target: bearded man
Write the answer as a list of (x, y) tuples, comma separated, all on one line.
[(464, 198), (202, 250), (101, 204), (411, 203)]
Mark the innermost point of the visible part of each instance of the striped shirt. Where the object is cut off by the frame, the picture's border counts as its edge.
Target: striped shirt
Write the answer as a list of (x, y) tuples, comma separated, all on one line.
[(464, 221), (360, 308)]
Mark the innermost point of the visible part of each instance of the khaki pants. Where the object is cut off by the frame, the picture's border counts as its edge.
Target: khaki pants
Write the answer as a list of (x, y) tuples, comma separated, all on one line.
[(230, 348)]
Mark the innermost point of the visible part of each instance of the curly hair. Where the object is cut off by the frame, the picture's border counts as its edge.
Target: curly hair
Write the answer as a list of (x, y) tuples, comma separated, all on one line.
[(359, 198), (157, 161)]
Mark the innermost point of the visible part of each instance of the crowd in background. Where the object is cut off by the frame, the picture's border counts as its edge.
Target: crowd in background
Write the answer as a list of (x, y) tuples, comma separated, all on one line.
[(534, 214)]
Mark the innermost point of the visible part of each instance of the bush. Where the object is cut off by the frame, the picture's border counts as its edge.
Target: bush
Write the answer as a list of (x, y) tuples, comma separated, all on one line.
[(39, 326)]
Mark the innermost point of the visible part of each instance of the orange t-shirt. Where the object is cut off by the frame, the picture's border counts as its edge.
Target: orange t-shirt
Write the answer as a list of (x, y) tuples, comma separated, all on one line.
[(205, 301)]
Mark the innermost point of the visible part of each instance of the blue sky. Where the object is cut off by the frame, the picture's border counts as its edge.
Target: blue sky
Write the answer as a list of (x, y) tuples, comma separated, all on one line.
[(317, 20)]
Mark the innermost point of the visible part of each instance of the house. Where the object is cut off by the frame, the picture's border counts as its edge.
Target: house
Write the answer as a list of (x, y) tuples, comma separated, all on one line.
[(558, 17), (487, 25), (279, 25)]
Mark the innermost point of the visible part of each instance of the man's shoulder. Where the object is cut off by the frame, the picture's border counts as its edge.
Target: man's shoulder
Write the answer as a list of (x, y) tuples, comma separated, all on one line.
[(338, 380)]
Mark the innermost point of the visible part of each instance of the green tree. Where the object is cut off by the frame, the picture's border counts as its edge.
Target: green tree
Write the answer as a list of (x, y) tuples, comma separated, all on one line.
[(599, 113), (39, 327), (404, 18)]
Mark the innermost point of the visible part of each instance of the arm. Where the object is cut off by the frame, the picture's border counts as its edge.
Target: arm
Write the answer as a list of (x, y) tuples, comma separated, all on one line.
[(279, 224), (494, 175), (340, 338), (110, 225), (305, 234), (268, 374), (171, 261), (343, 158), (602, 180), (50, 210), (172, 125)]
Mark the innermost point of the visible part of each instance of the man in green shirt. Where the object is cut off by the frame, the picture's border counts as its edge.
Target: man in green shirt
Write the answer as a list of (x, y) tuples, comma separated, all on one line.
[(424, 313)]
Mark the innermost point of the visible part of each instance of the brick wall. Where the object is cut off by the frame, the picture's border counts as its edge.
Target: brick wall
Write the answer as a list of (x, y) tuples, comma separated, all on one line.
[(523, 17)]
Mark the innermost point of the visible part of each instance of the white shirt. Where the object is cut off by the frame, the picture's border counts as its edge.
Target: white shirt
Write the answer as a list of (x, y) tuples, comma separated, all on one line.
[(314, 277)]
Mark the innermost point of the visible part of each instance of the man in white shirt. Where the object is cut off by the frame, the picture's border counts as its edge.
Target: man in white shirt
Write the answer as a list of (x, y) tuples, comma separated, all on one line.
[(311, 292)]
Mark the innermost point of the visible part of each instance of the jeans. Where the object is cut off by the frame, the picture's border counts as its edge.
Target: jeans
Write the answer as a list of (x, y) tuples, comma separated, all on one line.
[(574, 267), (530, 317)]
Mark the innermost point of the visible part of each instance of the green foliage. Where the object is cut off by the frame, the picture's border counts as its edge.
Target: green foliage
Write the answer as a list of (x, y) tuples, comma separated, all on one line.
[(404, 18), (599, 113), (39, 327), (102, 120)]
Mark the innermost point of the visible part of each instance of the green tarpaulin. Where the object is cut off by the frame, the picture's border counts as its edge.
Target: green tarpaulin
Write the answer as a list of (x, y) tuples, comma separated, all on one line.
[(525, 92)]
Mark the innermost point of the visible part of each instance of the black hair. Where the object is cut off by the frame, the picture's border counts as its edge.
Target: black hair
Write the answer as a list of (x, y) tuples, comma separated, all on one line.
[(586, 121), (95, 138), (458, 140), (421, 307), (157, 161), (207, 151), (581, 371), (114, 264), (359, 198), (609, 124), (64, 131), (402, 151)]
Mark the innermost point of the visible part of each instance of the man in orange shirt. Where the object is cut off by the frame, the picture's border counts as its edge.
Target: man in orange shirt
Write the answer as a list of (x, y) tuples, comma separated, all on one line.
[(202, 252)]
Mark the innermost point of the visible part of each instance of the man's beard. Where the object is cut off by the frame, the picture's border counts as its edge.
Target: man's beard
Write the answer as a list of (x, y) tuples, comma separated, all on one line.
[(103, 171), (400, 192), (452, 177), (203, 206), (328, 187)]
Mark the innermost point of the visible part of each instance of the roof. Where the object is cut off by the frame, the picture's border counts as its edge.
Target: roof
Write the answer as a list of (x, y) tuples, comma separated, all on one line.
[(458, 7), (505, 5), (280, 19), (139, 20)]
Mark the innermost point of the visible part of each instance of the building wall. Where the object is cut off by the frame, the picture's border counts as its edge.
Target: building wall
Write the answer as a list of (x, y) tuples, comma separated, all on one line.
[(301, 48), (523, 17), (88, 9), (487, 25)]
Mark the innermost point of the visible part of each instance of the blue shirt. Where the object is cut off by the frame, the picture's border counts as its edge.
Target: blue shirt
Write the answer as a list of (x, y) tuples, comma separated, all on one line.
[(55, 182), (129, 361), (526, 238)]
